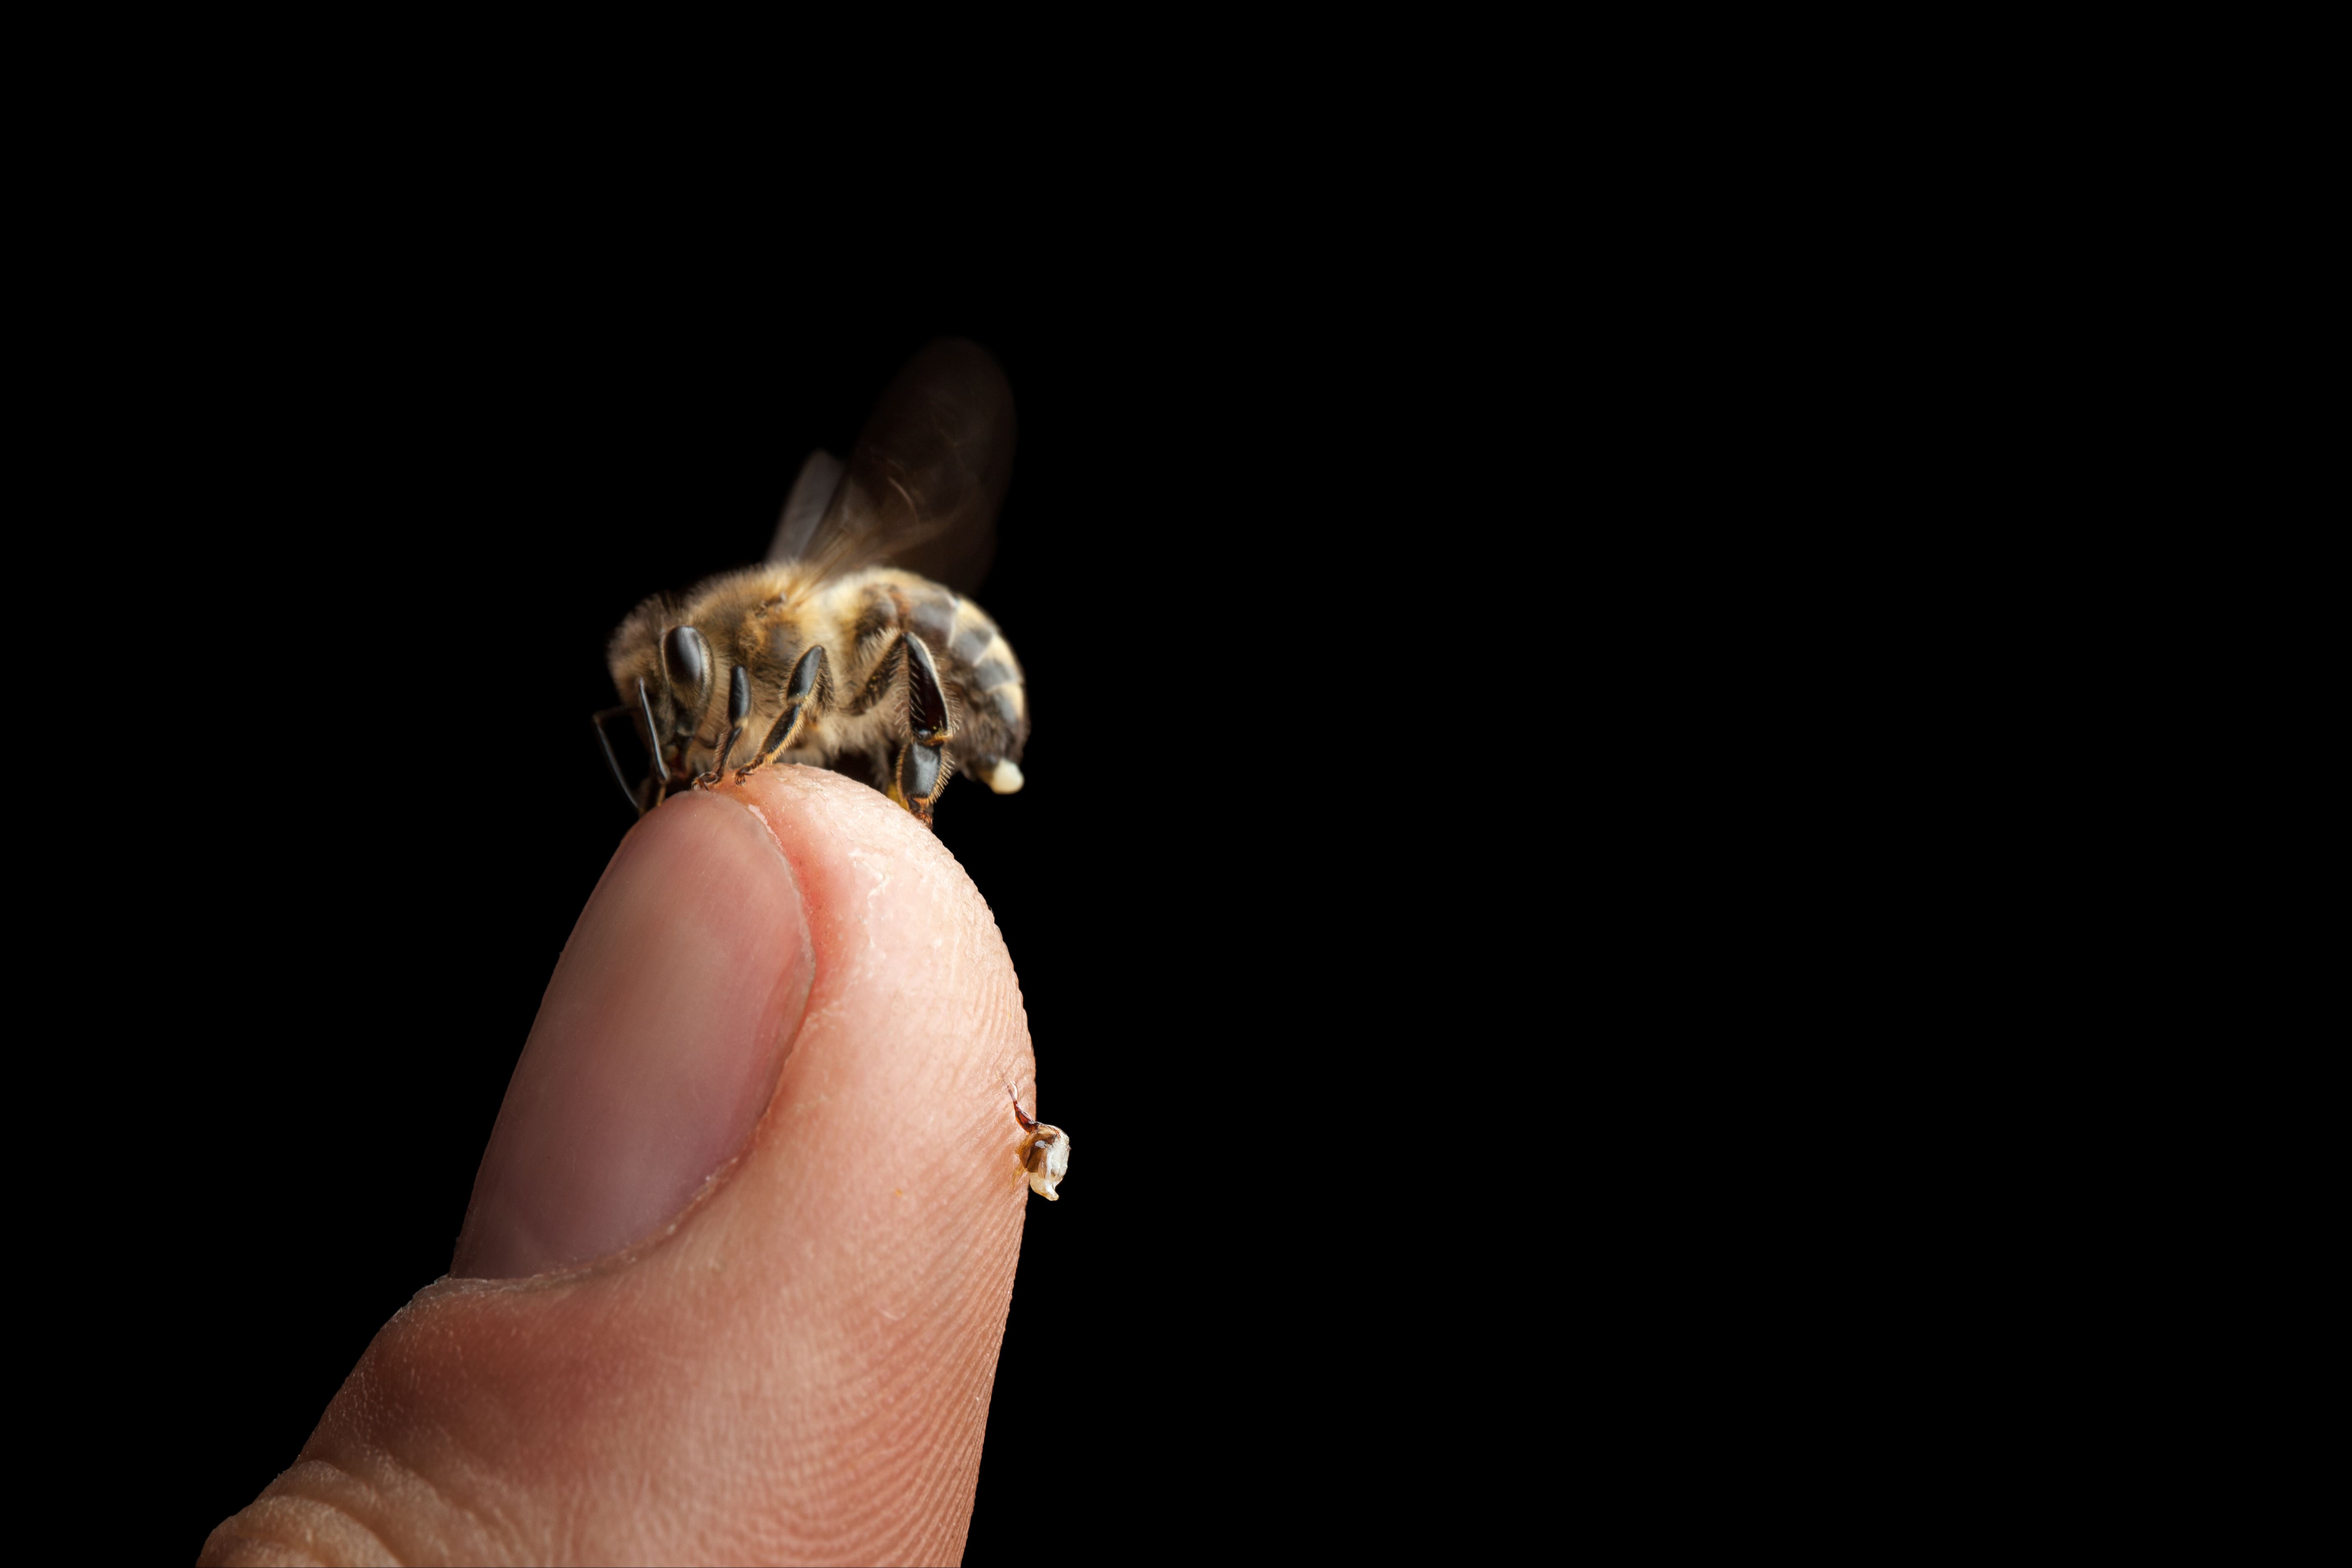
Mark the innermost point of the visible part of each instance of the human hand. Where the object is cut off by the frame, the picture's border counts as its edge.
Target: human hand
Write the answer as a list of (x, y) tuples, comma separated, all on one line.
[(736, 1270)]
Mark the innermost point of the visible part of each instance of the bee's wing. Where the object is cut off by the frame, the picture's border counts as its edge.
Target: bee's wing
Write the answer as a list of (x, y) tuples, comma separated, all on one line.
[(922, 485), (804, 507)]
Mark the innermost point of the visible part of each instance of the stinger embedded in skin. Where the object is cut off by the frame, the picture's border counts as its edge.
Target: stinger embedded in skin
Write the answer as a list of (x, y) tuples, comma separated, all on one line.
[(1044, 1152)]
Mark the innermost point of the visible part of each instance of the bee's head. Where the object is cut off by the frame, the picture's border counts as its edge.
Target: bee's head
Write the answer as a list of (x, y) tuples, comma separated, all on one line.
[(684, 671), (664, 671)]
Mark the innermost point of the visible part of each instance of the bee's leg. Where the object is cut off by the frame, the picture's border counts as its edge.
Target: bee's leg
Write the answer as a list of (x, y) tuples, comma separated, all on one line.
[(806, 696), (613, 762), (739, 704), (919, 771), (923, 768), (883, 678)]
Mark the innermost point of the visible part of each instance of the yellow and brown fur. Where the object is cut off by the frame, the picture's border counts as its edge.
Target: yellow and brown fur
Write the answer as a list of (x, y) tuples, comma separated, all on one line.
[(764, 618)]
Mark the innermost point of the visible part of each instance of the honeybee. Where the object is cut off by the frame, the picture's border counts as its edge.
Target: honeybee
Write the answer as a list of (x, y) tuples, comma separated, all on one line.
[(840, 649)]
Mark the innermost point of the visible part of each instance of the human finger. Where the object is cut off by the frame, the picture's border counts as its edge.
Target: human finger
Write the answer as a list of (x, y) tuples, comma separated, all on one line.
[(796, 1364)]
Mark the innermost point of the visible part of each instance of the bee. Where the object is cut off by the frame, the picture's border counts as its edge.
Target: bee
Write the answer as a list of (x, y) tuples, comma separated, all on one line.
[(841, 649)]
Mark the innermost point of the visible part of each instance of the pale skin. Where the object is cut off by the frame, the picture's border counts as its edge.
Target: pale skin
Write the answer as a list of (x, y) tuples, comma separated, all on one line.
[(791, 981)]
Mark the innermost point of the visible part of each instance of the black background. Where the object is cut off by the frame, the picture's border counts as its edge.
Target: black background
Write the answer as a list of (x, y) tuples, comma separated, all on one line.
[(1420, 780), (369, 587)]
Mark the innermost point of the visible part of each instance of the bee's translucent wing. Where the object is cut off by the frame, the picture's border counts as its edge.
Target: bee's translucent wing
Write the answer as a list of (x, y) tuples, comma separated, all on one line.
[(804, 507), (922, 485)]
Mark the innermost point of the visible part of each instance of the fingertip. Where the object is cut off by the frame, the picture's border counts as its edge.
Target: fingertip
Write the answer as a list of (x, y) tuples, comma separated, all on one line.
[(887, 897)]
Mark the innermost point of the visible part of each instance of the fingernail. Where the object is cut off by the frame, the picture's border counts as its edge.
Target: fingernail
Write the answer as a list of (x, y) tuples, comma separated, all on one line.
[(656, 1046)]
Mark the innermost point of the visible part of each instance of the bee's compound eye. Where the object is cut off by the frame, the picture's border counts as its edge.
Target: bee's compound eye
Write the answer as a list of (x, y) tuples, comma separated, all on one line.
[(687, 658)]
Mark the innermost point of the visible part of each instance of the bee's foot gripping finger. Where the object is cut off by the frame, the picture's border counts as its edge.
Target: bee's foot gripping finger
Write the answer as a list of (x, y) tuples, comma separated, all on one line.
[(922, 769), (920, 774)]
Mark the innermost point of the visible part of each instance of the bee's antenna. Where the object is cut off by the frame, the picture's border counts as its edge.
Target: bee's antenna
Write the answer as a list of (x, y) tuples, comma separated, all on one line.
[(660, 774), (611, 760)]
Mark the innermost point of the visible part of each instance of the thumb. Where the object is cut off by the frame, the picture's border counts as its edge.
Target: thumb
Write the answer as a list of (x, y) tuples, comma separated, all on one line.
[(736, 1270)]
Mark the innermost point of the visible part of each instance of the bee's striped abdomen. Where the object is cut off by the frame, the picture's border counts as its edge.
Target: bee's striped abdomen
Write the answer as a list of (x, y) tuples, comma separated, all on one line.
[(974, 657), (980, 647)]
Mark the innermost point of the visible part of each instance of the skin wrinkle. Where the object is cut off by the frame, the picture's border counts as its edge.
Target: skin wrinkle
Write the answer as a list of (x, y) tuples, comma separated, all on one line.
[(314, 1522), (469, 1492), (380, 1496), (370, 1495), (299, 1538)]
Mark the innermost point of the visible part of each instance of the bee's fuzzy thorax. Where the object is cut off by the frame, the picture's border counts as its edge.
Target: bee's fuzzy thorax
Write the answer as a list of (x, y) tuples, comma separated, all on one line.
[(763, 618)]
